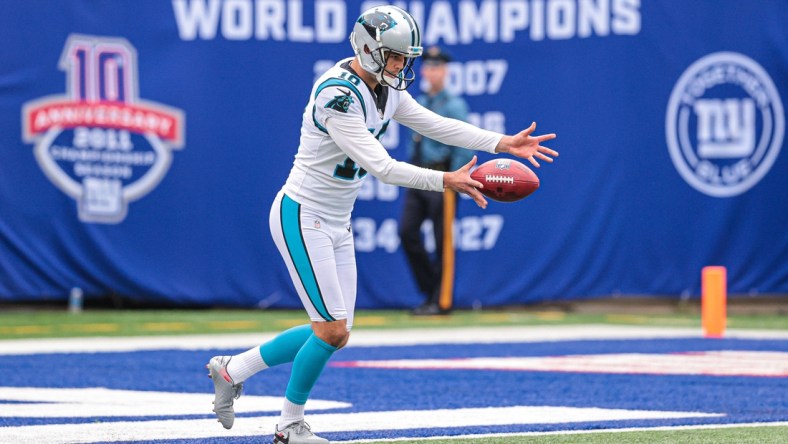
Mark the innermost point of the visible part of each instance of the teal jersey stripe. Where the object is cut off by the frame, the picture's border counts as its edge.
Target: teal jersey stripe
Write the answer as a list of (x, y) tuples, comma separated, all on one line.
[(342, 82), (291, 227), (314, 120)]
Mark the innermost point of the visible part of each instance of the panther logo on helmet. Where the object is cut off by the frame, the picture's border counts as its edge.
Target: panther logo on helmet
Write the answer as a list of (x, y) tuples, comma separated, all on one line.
[(378, 32), (375, 21)]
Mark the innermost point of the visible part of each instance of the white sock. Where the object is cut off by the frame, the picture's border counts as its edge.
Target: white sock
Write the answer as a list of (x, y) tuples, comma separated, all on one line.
[(290, 414), (244, 365)]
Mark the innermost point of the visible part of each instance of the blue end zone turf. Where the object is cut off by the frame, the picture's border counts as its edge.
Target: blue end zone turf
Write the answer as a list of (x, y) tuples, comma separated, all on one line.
[(740, 399)]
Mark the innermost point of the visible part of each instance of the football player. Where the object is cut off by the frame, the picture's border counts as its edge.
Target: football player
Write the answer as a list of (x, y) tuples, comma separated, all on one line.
[(350, 107)]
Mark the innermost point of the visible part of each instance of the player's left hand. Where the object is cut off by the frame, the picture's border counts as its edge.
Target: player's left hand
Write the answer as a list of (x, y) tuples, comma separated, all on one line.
[(524, 145)]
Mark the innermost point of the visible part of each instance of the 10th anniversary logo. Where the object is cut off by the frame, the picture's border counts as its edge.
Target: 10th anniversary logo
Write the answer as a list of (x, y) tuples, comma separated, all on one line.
[(99, 143)]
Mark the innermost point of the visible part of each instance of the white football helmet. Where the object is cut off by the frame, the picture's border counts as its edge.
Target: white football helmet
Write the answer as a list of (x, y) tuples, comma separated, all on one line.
[(381, 30)]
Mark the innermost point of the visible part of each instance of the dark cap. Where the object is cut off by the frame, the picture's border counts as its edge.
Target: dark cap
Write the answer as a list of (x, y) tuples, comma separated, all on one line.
[(436, 56)]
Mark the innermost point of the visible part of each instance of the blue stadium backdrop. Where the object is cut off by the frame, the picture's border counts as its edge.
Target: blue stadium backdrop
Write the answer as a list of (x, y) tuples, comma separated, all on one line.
[(141, 145)]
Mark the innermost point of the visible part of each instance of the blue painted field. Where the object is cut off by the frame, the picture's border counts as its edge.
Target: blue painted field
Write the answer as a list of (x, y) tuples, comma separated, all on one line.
[(722, 399)]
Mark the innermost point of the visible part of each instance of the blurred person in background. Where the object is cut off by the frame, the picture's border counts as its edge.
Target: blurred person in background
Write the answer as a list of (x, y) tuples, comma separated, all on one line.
[(434, 273)]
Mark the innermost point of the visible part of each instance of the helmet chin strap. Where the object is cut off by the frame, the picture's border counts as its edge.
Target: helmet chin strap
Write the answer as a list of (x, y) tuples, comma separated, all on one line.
[(392, 81), (379, 77)]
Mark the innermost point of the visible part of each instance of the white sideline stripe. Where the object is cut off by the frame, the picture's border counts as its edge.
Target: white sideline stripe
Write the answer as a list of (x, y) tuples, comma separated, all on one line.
[(709, 363), (33, 402), (372, 338), (579, 432), (330, 422)]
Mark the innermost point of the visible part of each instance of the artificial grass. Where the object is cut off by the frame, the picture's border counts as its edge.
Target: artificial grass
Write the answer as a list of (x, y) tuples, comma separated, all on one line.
[(737, 435), (17, 323)]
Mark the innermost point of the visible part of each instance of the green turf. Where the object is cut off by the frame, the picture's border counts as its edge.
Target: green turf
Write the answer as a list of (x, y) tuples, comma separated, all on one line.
[(739, 435), (60, 323)]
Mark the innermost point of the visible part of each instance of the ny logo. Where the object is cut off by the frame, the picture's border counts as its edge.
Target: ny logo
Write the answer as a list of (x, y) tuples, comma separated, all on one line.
[(726, 128)]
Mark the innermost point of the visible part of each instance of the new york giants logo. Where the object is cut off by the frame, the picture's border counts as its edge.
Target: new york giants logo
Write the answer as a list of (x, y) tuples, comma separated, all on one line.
[(726, 127), (724, 124), (99, 143)]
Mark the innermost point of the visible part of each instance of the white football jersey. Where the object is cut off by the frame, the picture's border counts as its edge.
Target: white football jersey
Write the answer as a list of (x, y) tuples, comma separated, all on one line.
[(328, 170)]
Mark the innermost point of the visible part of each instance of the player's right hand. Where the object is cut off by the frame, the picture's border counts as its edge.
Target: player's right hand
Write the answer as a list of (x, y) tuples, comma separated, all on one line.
[(461, 182)]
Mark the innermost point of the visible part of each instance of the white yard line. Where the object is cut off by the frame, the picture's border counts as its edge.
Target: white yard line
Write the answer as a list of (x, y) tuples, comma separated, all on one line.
[(331, 422), (369, 337), (36, 402), (708, 363)]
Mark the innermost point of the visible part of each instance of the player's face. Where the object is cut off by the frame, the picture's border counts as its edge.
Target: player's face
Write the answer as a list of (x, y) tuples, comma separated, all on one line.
[(395, 63)]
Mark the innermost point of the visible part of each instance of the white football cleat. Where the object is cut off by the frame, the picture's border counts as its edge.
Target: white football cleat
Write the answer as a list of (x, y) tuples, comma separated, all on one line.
[(226, 390), (297, 433)]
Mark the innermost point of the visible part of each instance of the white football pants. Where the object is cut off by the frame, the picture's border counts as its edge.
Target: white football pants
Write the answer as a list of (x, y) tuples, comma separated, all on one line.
[(320, 258)]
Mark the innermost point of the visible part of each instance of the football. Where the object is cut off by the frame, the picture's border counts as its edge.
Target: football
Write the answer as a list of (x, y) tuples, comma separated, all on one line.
[(505, 180)]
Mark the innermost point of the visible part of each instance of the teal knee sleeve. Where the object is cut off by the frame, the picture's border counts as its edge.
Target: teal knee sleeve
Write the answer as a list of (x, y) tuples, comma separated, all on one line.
[(284, 347), (307, 366)]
